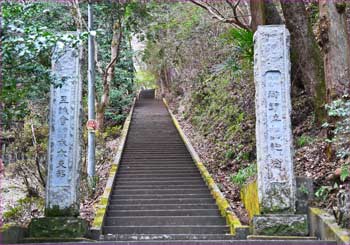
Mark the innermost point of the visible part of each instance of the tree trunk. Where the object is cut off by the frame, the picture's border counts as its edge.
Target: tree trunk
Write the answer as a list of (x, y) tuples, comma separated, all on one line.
[(264, 12), (257, 10), (109, 75), (272, 13), (307, 67), (100, 117), (335, 42)]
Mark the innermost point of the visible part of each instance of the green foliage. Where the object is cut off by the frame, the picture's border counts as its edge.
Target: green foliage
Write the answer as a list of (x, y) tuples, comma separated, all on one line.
[(304, 140), (145, 79), (112, 132), (345, 172), (243, 43), (229, 154), (92, 183), (244, 174), (323, 192), (27, 42), (23, 210), (218, 116), (121, 90), (339, 110), (303, 189)]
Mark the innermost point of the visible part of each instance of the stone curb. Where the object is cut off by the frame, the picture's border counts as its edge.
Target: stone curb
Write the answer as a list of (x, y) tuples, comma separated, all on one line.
[(324, 226), (101, 206), (224, 206)]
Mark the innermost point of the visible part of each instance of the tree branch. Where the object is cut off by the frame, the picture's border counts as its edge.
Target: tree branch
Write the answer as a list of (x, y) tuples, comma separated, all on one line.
[(219, 16)]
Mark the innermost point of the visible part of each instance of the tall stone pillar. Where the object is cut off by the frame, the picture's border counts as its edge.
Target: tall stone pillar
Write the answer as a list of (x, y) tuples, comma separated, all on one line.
[(276, 181), (65, 138), (64, 154)]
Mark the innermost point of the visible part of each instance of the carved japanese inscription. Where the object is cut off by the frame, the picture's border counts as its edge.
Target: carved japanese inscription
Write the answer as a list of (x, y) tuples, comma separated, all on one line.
[(276, 182), (64, 141)]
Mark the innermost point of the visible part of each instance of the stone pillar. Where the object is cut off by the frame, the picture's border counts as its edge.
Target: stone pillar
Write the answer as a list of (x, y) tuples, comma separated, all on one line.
[(65, 138), (276, 181), (64, 154)]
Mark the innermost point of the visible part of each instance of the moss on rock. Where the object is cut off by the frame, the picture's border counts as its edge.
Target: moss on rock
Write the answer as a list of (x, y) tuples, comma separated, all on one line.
[(58, 227)]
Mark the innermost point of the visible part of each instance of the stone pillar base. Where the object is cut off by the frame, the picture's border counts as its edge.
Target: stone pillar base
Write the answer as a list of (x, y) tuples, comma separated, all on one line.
[(280, 225), (58, 227)]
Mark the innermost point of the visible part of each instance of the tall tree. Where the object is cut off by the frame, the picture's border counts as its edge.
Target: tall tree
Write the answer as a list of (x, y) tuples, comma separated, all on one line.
[(307, 67), (335, 42)]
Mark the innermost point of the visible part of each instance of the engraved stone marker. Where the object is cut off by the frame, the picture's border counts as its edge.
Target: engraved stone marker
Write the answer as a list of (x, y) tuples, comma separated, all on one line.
[(276, 181), (64, 141)]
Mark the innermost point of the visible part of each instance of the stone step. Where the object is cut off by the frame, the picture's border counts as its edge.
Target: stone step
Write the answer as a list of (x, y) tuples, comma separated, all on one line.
[(156, 168), (170, 229), (152, 164), (159, 161), (158, 178), (198, 187), (219, 242), (159, 175), (126, 171), (118, 207), (193, 195), (167, 212), (163, 220), (118, 191), (157, 237), (170, 150), (156, 182), (176, 201)]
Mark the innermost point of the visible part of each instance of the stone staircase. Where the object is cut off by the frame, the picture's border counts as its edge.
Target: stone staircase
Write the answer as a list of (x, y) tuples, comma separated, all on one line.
[(159, 196)]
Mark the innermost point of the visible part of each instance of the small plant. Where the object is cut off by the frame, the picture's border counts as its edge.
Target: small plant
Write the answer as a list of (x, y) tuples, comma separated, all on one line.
[(229, 154), (323, 192), (344, 173), (303, 189), (12, 213), (112, 132), (24, 209), (244, 174), (304, 140), (92, 183), (340, 111), (243, 40)]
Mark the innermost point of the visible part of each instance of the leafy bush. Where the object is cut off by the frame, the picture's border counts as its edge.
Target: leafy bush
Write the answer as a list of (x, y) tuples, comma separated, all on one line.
[(243, 41)]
